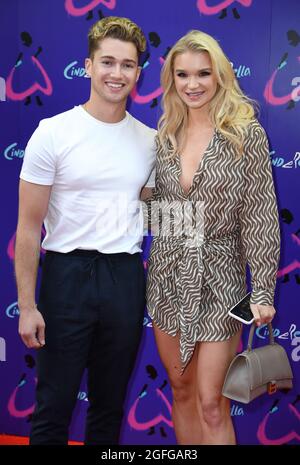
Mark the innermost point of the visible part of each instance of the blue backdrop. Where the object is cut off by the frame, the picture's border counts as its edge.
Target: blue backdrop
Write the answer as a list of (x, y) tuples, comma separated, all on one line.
[(43, 47)]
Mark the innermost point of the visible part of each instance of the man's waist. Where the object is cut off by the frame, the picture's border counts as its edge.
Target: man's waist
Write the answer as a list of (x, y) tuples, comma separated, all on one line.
[(89, 253)]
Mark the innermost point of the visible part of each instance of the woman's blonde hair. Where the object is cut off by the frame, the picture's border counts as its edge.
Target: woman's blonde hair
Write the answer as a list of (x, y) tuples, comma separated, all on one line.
[(230, 110)]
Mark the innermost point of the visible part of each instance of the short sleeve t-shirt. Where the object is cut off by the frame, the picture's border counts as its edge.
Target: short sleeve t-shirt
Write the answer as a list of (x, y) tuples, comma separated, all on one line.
[(96, 171)]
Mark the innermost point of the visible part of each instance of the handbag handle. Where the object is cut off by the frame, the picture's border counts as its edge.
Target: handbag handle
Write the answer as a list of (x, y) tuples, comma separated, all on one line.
[(251, 334)]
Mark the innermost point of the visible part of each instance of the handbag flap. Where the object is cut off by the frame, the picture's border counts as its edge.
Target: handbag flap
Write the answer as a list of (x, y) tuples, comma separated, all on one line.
[(268, 363)]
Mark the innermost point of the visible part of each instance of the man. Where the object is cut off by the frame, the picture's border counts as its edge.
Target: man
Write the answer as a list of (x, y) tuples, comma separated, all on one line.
[(82, 176)]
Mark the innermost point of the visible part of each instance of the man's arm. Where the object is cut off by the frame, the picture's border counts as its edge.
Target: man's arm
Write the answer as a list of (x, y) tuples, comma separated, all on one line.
[(146, 193), (33, 205)]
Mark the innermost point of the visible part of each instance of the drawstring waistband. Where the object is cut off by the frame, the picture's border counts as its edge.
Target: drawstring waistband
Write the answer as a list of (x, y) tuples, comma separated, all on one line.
[(90, 266), (93, 256)]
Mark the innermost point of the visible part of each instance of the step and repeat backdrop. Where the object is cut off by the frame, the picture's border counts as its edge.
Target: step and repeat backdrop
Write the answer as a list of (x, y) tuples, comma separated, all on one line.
[(43, 47)]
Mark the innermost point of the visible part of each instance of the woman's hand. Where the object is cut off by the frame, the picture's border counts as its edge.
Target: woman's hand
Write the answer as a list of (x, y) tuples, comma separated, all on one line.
[(262, 313)]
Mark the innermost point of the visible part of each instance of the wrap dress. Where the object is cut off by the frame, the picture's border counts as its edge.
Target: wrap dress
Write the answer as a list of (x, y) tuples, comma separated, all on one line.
[(192, 284)]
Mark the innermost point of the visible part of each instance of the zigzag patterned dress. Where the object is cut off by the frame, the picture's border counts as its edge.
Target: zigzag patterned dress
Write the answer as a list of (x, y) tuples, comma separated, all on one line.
[(191, 288)]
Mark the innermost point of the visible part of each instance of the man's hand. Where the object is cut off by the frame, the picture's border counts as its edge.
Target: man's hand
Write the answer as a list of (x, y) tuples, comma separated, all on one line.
[(146, 193), (32, 328), (33, 206), (262, 313)]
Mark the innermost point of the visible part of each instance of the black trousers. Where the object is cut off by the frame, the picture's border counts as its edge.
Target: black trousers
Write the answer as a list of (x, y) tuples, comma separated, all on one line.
[(93, 306)]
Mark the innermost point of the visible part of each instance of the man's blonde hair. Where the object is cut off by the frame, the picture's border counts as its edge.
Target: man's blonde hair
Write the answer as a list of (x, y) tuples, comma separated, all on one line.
[(116, 28)]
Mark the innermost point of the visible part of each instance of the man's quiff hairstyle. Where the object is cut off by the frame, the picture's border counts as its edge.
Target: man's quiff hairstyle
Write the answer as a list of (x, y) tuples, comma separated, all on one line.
[(116, 28)]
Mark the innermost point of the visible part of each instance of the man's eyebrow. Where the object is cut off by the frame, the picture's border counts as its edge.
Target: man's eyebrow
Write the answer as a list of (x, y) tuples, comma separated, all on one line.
[(109, 57)]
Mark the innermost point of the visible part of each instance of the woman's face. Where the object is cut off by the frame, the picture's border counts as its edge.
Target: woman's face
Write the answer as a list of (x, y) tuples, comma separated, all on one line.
[(195, 81)]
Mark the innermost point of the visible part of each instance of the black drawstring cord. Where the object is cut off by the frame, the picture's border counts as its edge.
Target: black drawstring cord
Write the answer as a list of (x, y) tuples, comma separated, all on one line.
[(90, 266)]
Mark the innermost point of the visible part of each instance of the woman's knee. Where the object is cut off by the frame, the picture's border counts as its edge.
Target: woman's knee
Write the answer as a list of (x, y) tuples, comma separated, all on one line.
[(182, 388), (213, 411)]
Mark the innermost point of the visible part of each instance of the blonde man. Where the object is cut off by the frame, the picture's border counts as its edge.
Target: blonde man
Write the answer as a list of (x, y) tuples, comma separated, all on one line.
[(83, 173)]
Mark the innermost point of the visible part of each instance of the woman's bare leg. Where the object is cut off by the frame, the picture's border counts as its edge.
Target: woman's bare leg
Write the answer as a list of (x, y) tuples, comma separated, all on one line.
[(185, 414), (214, 409)]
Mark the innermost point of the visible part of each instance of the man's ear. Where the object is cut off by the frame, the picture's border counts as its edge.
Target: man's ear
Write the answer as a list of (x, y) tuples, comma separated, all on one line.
[(139, 70), (88, 64)]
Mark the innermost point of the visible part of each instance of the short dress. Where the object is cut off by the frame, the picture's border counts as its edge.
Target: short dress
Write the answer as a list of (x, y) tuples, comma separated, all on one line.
[(196, 274)]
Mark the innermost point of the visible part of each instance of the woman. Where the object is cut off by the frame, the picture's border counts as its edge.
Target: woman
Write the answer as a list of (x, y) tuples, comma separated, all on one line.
[(213, 161)]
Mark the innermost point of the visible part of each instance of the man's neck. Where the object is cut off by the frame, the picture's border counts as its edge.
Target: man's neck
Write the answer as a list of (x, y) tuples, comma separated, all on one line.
[(106, 112)]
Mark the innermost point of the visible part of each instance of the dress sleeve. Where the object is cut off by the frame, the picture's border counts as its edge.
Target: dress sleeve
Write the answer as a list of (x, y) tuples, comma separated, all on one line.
[(151, 180), (259, 217), (151, 205)]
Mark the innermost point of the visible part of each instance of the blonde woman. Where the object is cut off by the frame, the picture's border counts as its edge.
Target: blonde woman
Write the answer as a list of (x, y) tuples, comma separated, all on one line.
[(213, 159)]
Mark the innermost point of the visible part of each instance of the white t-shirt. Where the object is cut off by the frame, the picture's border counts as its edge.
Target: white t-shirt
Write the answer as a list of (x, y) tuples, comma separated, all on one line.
[(96, 171)]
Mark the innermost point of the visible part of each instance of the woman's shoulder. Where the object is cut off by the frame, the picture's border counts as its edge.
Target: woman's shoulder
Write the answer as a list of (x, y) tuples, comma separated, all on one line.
[(255, 129)]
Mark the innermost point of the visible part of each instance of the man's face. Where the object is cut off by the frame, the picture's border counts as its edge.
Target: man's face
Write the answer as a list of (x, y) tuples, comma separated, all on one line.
[(114, 70)]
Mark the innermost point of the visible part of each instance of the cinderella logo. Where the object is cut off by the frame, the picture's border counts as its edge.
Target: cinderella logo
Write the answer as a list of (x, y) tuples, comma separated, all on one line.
[(152, 395), (27, 64), (151, 423), (262, 332), (12, 310), (292, 96), (265, 434), (12, 401), (12, 152), (71, 71), (46, 88), (142, 99), (73, 10), (280, 162), (293, 266), (282, 74), (207, 9), (241, 70)]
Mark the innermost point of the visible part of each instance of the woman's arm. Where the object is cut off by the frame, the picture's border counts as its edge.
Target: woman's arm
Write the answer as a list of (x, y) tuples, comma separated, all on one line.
[(259, 219)]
